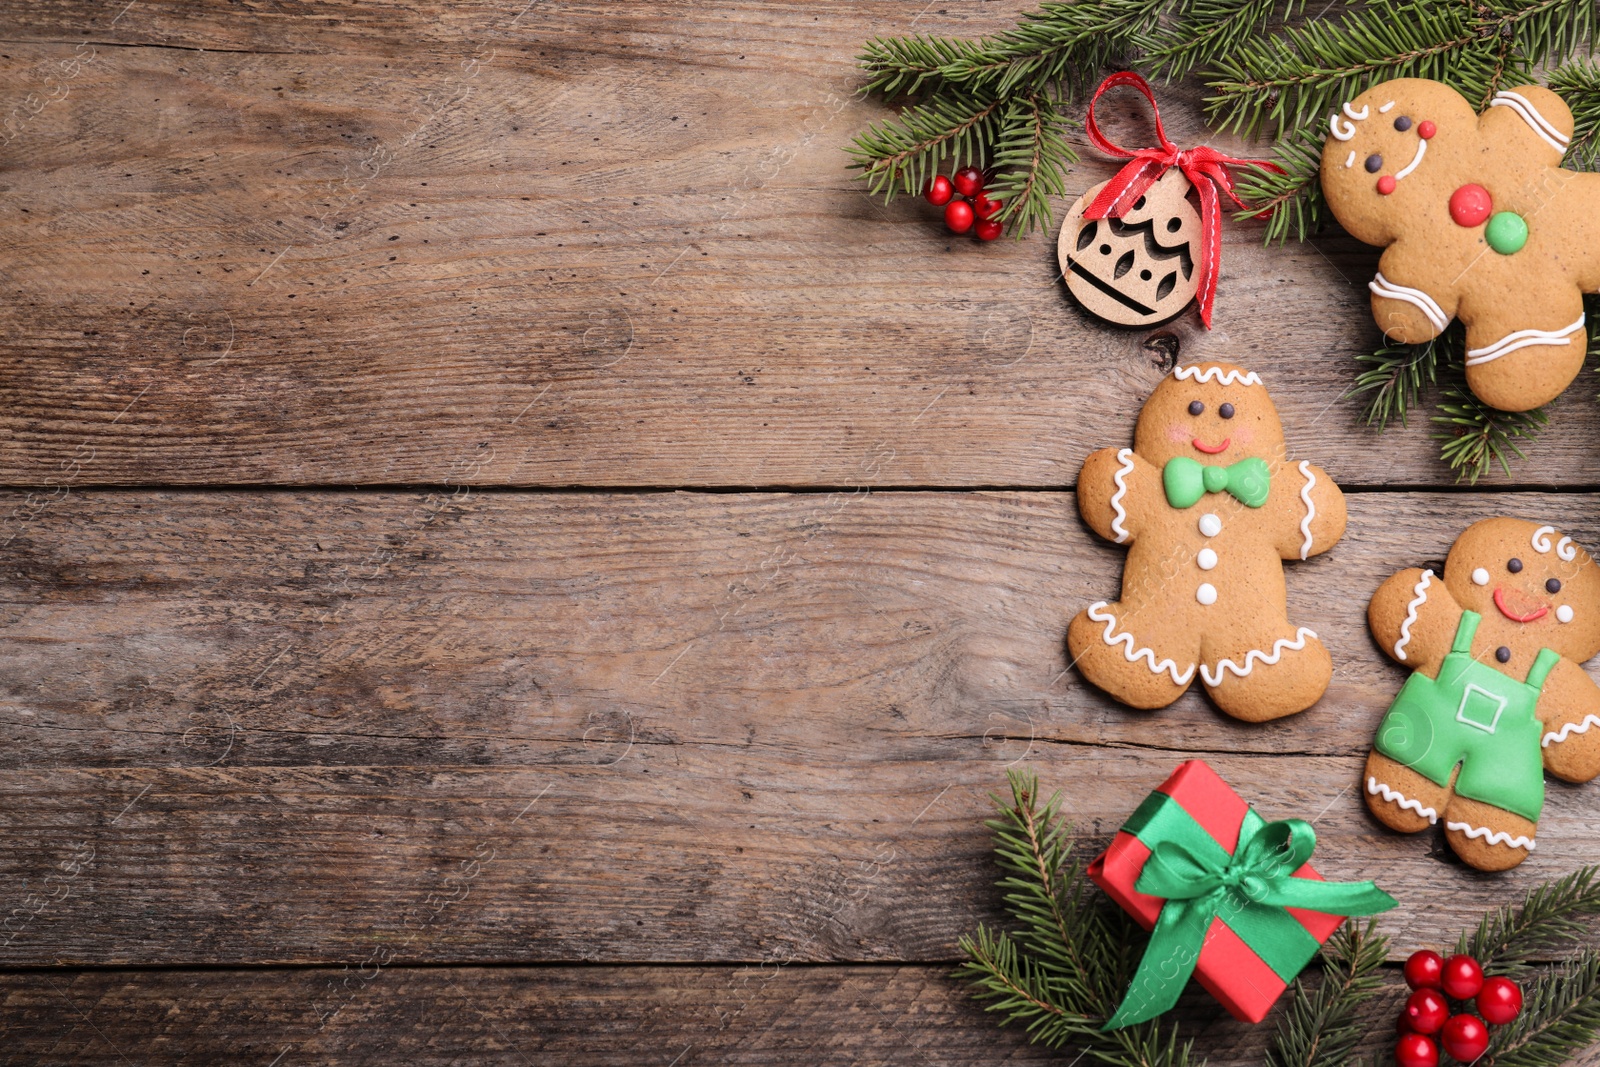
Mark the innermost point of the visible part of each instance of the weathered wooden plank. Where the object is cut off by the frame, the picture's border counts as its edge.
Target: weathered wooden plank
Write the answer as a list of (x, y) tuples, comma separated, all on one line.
[(580, 249), (579, 1016), (491, 629)]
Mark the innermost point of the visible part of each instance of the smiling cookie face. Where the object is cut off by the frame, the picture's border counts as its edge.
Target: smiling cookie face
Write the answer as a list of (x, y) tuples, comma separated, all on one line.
[(1214, 413), (1381, 143), (1534, 587)]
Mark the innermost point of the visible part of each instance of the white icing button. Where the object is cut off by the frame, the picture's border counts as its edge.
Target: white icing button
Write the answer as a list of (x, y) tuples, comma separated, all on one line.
[(1564, 613), (1207, 559), (1480, 577), (1206, 594), (1210, 525)]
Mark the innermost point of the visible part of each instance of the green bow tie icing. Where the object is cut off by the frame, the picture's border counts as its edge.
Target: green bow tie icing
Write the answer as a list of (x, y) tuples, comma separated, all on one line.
[(1187, 480)]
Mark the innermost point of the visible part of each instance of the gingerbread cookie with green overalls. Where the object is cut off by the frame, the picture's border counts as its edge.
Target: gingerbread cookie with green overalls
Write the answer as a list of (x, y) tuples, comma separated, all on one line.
[(1209, 506), (1497, 695)]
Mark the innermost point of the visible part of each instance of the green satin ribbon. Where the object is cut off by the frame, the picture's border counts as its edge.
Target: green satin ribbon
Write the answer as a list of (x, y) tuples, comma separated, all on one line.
[(1248, 890), (1187, 480)]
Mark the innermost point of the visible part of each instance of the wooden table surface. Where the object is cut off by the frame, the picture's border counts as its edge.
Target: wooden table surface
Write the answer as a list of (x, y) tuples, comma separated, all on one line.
[(509, 556)]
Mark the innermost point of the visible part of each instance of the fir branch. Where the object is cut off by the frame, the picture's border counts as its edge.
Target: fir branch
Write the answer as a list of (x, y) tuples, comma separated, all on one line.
[(1475, 436), (1550, 916), (1560, 1015), (1064, 43), (1397, 374), (1294, 197), (1578, 83), (902, 155), (1205, 30), (1031, 154), (908, 65), (1009, 981), (1322, 1028)]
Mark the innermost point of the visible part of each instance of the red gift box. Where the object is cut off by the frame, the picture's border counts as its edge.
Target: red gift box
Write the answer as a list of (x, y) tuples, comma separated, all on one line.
[(1228, 969)]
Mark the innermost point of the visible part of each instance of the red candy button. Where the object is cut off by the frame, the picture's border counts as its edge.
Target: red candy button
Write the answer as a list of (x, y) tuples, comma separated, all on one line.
[(1470, 205), (1386, 184), (1426, 130)]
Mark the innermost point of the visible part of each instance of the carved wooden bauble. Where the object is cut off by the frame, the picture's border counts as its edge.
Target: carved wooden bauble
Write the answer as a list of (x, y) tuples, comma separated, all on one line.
[(1140, 269)]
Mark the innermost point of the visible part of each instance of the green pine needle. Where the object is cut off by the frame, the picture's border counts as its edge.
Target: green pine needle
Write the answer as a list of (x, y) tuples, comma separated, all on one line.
[(1396, 375), (1578, 83), (1295, 196), (1549, 916), (1206, 30), (1474, 436), (1321, 1027)]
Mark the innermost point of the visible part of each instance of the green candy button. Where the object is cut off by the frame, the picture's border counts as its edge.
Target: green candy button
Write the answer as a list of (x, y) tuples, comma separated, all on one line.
[(1506, 232)]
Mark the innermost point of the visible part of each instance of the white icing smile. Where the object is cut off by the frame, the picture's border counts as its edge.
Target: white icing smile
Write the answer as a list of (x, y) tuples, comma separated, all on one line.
[(1422, 150)]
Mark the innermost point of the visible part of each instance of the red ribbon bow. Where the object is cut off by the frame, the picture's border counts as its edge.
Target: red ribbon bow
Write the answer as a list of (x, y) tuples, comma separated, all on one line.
[(1204, 166)]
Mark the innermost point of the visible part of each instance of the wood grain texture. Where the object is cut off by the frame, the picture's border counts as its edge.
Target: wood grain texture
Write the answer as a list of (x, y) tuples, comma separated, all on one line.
[(322, 710), (573, 247), (579, 1016)]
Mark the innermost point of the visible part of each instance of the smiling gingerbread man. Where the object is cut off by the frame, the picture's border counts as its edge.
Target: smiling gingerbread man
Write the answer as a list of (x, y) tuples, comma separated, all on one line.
[(1478, 222), (1209, 506), (1496, 697)]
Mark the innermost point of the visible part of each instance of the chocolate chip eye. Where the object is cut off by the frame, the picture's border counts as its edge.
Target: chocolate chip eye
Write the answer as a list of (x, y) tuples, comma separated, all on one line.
[(1503, 654), (1195, 407), (1514, 565), (1226, 411), (1374, 163), (1402, 124), (1553, 585)]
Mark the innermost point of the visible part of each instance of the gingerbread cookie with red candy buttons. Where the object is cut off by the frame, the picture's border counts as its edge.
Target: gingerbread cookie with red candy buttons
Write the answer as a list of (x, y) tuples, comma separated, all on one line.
[(1496, 696), (1209, 505), (1478, 221)]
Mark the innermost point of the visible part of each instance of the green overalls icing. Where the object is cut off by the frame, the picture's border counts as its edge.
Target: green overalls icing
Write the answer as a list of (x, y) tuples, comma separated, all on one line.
[(1476, 716)]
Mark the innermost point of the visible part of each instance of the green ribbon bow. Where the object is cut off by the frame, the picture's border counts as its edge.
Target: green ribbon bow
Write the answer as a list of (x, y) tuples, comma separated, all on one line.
[(1187, 480), (1248, 891)]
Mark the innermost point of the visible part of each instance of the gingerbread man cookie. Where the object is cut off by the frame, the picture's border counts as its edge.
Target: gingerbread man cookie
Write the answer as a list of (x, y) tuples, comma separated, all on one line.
[(1209, 506), (1478, 222), (1496, 696)]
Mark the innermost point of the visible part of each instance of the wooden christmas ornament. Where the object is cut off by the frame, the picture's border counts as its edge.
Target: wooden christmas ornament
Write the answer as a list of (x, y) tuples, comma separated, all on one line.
[(1138, 270)]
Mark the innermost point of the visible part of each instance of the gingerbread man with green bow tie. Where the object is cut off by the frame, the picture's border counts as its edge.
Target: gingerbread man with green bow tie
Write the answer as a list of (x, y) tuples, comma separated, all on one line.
[(1209, 505)]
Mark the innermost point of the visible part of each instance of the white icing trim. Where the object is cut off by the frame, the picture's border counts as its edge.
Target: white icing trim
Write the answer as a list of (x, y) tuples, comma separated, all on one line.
[(1422, 150), (1384, 109), (1350, 161), (1541, 538), (1522, 339), (1496, 837), (1536, 122), (1350, 111), (1133, 655), (1125, 457), (1311, 509), (1216, 374), (1554, 738), (1419, 597), (1429, 307), (1270, 659), (1566, 549), (1333, 127), (1394, 796)]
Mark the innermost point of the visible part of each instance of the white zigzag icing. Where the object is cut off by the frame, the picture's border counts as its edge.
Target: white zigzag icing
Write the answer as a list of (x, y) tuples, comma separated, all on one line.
[(1394, 796), (1569, 729), (1133, 655), (1530, 114), (1419, 597), (1311, 509), (1522, 339), (1270, 659), (1416, 297), (1495, 837), (1125, 457), (1216, 374)]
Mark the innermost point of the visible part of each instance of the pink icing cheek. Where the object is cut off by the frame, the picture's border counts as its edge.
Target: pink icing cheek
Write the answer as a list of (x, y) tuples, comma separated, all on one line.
[(1244, 435), (1179, 434)]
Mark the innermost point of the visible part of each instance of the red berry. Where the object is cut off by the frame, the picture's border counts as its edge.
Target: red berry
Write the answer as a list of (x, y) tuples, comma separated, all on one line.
[(958, 216), (940, 192), (1465, 1037), (1499, 1000), (1423, 969), (969, 181), (988, 229), (1416, 1050), (1425, 1011), (985, 208), (1461, 978)]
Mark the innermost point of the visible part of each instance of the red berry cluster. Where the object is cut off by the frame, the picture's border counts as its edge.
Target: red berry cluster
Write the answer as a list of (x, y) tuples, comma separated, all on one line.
[(966, 205), (1464, 1035)]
